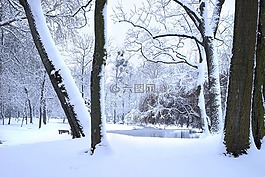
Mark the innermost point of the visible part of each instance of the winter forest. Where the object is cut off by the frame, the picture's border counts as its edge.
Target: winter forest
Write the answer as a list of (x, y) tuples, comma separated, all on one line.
[(132, 88)]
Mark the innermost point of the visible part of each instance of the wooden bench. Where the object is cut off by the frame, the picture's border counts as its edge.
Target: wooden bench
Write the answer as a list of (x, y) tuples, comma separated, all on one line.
[(64, 131)]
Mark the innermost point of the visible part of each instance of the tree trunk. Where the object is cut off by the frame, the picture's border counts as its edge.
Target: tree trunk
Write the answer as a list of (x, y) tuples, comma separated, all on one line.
[(3, 119), (257, 104), (22, 120), (9, 118), (1, 68), (18, 114), (40, 118), (214, 105), (114, 115), (30, 112), (44, 112), (82, 78), (42, 101), (25, 112), (200, 92), (237, 122), (29, 104), (2, 115), (54, 70), (97, 76)]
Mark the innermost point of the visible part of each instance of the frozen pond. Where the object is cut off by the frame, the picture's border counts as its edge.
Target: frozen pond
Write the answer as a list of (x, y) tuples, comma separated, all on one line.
[(162, 133)]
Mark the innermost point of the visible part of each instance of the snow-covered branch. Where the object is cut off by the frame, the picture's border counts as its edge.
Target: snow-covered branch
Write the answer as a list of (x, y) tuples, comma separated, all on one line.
[(177, 35), (192, 13), (12, 20), (137, 26), (181, 59)]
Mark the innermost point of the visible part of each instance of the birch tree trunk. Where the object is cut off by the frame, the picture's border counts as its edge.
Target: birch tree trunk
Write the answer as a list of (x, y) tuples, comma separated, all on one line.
[(97, 79), (237, 120), (62, 82)]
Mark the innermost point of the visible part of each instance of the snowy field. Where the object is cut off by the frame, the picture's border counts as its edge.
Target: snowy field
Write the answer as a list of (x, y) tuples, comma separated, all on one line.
[(31, 152)]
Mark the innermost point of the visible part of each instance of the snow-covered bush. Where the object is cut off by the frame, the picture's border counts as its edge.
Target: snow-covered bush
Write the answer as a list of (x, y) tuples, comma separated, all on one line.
[(167, 109)]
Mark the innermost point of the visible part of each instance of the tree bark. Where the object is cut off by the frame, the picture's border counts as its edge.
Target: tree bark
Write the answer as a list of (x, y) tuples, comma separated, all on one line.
[(40, 118), (42, 102), (97, 74), (1, 68), (208, 31), (200, 92), (215, 105), (44, 112), (237, 122), (30, 112), (54, 74), (208, 35), (9, 117), (30, 107), (257, 104), (2, 114), (82, 77)]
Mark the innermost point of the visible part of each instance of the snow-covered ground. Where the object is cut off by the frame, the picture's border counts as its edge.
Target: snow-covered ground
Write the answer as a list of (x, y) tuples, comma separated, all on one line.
[(33, 152)]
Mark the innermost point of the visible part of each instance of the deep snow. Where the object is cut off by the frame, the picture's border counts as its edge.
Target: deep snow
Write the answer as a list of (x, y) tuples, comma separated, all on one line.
[(33, 152)]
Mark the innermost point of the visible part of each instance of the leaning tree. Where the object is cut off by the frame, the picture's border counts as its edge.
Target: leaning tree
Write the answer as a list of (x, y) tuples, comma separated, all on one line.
[(59, 74)]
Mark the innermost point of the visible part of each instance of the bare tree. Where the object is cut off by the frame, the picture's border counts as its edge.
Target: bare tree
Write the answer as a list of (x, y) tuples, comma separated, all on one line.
[(81, 55), (199, 29)]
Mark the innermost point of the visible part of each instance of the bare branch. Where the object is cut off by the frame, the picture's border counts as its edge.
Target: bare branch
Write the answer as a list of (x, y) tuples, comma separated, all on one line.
[(178, 35), (138, 26), (12, 20), (83, 8), (153, 60), (162, 35), (16, 5), (195, 17)]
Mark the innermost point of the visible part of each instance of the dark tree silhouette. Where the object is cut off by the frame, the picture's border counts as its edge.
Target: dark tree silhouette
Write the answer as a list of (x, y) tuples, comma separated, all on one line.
[(99, 58), (258, 129), (237, 122)]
